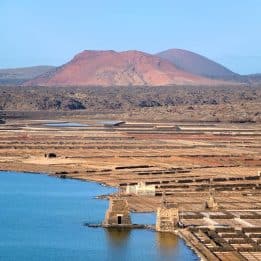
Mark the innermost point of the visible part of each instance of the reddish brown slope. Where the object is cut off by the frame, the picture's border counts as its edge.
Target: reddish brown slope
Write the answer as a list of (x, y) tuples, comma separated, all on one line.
[(108, 68)]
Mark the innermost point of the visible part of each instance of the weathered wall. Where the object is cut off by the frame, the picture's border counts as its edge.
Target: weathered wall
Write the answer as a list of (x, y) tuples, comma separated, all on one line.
[(117, 207), (167, 219)]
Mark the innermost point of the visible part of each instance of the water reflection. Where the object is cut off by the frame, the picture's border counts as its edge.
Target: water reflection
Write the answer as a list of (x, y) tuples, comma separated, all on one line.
[(167, 242), (117, 237)]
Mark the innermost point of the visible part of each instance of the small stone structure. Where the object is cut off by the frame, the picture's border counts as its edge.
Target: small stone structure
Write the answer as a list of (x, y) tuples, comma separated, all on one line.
[(118, 214), (141, 189), (211, 203), (167, 217)]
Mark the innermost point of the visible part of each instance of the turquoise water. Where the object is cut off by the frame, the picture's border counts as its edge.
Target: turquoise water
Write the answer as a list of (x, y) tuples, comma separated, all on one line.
[(41, 218)]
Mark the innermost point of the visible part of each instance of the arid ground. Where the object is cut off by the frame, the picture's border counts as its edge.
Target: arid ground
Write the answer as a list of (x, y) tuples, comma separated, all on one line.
[(181, 157), (186, 159)]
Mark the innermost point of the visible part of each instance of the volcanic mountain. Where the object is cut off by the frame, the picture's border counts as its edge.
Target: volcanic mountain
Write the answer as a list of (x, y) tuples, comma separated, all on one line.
[(110, 68), (197, 64)]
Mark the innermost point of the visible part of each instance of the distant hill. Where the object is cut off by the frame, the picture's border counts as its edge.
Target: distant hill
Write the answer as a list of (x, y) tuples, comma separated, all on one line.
[(110, 68), (197, 64), (253, 78), (20, 75)]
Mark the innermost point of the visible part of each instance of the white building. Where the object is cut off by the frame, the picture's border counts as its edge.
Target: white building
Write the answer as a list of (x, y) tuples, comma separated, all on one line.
[(141, 189)]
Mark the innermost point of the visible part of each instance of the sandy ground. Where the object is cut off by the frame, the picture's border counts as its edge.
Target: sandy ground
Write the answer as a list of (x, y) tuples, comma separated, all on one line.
[(189, 159)]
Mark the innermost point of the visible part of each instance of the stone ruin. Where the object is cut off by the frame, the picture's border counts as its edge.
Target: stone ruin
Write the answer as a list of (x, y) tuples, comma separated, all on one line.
[(211, 203), (141, 189), (118, 214), (167, 217)]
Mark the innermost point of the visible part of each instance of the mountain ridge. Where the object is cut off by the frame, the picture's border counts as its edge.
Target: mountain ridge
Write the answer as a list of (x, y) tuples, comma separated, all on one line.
[(189, 68), (127, 68)]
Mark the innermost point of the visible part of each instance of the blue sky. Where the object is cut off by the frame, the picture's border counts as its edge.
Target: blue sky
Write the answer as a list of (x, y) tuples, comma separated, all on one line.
[(51, 32)]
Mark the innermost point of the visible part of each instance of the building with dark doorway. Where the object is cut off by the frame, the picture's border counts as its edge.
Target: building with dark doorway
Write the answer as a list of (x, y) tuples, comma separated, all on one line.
[(118, 213)]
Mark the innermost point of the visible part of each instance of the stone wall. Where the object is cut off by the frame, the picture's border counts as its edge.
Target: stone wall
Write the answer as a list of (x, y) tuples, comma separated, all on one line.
[(167, 219), (118, 213)]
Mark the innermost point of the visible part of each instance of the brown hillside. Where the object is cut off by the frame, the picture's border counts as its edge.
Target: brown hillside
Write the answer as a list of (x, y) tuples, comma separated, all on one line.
[(110, 68)]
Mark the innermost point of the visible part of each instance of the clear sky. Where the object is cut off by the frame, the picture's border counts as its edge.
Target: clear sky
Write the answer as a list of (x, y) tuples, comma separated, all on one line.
[(51, 32)]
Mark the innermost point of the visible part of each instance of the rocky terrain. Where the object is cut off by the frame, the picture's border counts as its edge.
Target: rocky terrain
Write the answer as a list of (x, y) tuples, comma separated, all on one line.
[(230, 104)]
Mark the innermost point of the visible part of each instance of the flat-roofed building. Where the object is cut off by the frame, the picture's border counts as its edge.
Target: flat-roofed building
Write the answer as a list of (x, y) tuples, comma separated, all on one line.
[(141, 189)]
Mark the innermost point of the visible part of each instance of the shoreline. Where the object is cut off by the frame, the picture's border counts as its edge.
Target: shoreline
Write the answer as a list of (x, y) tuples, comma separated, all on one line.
[(178, 234), (204, 254), (55, 176)]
